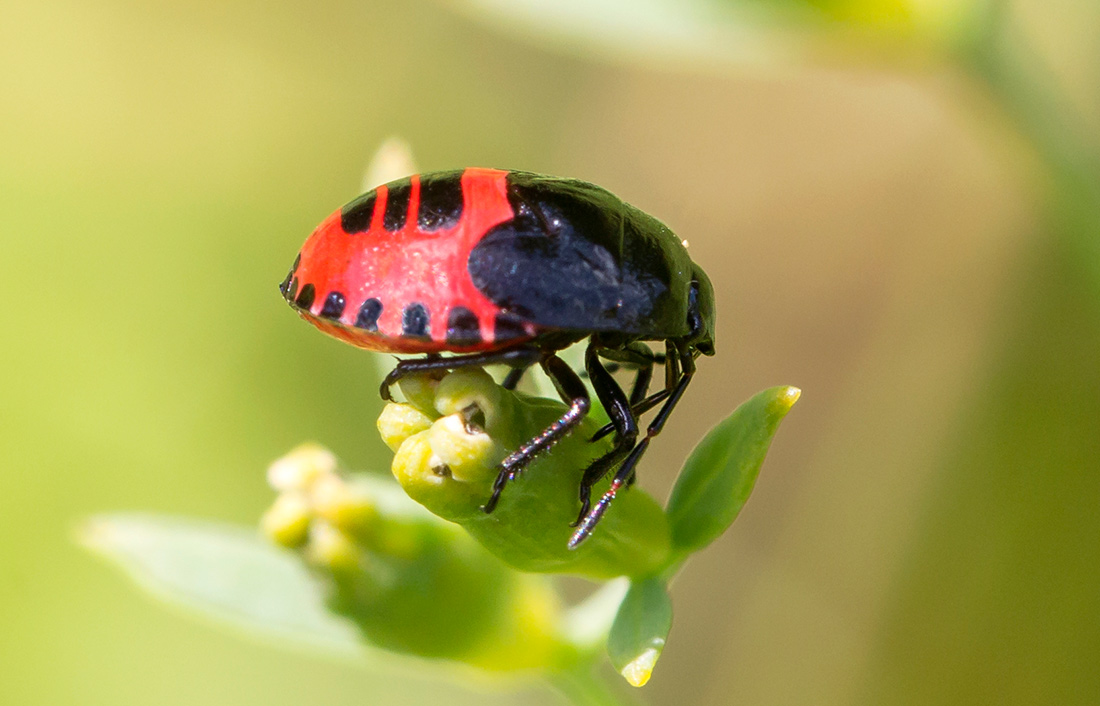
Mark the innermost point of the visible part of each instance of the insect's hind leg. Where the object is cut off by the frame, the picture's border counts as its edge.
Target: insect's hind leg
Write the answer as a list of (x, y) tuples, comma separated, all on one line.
[(575, 394), (511, 380)]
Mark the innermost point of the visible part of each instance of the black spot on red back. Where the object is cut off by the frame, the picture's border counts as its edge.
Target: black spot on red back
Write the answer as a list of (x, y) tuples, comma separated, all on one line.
[(367, 318), (415, 321), (508, 326), (356, 217), (334, 306), (463, 328), (440, 201), (397, 205), (305, 297)]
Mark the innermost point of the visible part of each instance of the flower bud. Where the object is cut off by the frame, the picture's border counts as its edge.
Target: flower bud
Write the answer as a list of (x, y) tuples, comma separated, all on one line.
[(299, 468), (419, 390), (345, 505), (411, 582), (286, 522), (331, 549), (450, 469), (468, 453), (400, 421), (470, 392)]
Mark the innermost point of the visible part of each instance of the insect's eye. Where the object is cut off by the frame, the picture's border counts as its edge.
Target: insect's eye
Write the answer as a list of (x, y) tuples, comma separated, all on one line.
[(694, 319)]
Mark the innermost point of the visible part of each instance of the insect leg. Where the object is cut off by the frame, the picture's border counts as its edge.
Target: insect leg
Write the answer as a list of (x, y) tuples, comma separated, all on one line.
[(626, 471), (639, 409), (640, 355), (575, 394), (521, 357), (513, 377), (672, 368), (622, 420)]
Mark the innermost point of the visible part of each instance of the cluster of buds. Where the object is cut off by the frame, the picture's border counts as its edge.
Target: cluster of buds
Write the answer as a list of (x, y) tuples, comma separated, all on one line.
[(317, 510), (448, 438), (412, 583), (422, 569)]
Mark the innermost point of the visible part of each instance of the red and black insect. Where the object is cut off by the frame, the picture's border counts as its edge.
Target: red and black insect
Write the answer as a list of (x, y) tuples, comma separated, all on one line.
[(511, 267)]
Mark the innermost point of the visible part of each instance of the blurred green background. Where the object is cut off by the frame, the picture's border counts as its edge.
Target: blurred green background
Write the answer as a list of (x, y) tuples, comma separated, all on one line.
[(898, 207)]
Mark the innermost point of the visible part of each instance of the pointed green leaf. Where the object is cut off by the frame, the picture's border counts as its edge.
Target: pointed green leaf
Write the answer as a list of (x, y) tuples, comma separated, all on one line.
[(720, 473), (640, 629), (223, 572)]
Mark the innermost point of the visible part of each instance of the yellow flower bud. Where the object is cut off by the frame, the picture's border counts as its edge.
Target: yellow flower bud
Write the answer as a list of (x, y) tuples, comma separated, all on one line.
[(465, 387), (419, 390), (428, 480), (470, 456), (413, 463), (286, 522), (301, 467), (330, 548), (347, 506), (400, 421)]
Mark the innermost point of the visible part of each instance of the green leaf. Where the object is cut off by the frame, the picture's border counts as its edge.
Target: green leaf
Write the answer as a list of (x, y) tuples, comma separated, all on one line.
[(640, 629), (720, 473), (223, 572)]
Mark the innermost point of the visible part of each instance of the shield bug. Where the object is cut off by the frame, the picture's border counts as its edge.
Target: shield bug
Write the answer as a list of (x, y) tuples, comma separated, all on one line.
[(511, 267)]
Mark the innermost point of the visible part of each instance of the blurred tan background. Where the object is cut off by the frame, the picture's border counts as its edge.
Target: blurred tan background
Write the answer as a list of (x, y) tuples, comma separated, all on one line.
[(879, 230)]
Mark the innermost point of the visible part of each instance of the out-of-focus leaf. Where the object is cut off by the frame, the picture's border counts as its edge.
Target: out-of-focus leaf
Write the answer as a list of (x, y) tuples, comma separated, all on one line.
[(639, 31), (720, 473), (588, 623), (722, 32), (640, 629), (224, 572), (393, 160)]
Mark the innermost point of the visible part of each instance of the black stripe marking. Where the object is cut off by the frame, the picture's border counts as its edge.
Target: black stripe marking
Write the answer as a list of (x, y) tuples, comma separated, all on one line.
[(356, 217), (334, 306), (368, 315), (305, 297), (440, 201), (507, 326), (463, 328), (415, 321), (397, 204)]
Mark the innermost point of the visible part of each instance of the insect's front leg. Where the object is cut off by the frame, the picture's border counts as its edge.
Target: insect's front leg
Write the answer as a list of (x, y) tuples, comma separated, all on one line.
[(518, 357)]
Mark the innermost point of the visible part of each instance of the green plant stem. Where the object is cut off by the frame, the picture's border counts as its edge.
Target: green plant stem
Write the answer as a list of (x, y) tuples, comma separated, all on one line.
[(583, 687), (1027, 92)]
